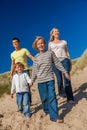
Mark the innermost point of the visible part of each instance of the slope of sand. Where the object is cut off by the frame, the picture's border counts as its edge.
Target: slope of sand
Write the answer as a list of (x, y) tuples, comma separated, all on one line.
[(75, 116)]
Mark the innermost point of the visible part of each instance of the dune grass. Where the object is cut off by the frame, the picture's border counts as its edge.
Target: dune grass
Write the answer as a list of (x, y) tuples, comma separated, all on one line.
[(5, 84), (80, 63), (77, 64)]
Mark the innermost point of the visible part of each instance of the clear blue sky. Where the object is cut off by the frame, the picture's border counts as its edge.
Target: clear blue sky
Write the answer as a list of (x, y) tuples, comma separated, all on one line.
[(27, 19)]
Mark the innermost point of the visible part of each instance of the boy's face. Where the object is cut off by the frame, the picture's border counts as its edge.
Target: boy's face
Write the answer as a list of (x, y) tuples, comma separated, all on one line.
[(19, 69), (15, 43), (40, 45)]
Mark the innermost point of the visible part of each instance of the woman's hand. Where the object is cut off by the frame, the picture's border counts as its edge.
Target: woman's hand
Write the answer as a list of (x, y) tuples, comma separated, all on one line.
[(67, 76)]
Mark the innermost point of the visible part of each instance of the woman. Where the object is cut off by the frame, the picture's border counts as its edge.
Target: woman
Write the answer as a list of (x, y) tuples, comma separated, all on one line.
[(59, 47)]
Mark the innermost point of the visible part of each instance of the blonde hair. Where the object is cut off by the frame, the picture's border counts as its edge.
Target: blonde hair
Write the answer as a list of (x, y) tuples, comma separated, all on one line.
[(51, 32), (34, 45)]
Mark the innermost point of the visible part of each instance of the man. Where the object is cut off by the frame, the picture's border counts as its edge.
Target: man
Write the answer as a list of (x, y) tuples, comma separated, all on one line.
[(19, 55)]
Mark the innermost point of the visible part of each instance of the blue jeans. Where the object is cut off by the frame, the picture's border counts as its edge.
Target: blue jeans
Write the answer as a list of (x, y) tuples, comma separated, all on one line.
[(59, 81), (60, 78), (48, 99), (23, 103), (28, 72)]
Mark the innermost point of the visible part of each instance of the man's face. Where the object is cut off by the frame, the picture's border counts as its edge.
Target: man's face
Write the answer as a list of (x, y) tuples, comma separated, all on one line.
[(15, 43)]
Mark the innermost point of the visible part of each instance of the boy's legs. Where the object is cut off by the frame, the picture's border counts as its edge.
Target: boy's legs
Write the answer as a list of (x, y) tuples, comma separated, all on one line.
[(19, 99), (26, 104), (43, 92), (30, 95), (52, 101)]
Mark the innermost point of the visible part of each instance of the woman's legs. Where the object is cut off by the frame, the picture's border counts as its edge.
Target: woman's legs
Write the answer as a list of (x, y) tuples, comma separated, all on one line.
[(67, 83), (59, 78)]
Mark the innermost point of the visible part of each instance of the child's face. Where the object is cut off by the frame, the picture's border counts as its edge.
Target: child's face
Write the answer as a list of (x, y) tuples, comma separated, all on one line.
[(19, 69), (40, 45)]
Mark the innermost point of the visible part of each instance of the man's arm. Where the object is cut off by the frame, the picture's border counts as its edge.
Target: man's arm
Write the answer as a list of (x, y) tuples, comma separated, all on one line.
[(31, 57), (12, 69)]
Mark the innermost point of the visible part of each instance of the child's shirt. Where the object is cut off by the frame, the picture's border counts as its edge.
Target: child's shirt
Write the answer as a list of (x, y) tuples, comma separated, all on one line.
[(20, 83), (42, 66)]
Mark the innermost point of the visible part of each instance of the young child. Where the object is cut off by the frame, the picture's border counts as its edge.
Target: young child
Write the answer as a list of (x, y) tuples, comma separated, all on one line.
[(42, 70), (20, 82)]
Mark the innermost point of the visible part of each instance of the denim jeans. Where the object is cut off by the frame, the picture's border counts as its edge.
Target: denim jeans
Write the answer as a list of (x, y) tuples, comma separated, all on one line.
[(48, 99), (28, 72), (60, 79), (23, 103)]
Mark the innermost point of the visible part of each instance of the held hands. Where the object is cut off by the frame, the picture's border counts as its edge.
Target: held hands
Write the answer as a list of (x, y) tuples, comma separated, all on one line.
[(67, 76), (30, 84)]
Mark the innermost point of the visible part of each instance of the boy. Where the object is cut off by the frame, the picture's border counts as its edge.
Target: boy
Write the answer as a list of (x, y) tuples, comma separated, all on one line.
[(20, 83), (42, 70)]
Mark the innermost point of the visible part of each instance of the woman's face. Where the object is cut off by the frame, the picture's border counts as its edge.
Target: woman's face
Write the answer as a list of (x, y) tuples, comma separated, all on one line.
[(55, 33), (40, 45)]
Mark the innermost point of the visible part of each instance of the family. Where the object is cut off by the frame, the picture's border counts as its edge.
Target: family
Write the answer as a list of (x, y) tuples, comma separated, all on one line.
[(47, 62)]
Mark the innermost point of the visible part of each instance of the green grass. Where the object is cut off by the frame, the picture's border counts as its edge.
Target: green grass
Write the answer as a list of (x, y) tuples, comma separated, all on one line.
[(77, 64), (5, 89), (5, 84), (80, 63)]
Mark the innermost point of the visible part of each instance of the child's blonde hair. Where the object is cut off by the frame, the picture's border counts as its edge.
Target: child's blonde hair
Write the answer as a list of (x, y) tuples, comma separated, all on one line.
[(34, 45), (51, 32)]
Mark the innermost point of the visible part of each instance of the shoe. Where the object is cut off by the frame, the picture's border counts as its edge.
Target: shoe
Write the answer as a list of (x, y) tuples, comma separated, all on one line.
[(59, 121), (28, 116)]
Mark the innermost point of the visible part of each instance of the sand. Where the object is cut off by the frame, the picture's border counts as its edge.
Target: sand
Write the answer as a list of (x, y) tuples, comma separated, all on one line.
[(74, 115)]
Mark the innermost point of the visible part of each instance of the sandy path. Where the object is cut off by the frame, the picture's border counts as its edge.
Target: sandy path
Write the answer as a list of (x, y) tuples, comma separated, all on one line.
[(75, 116)]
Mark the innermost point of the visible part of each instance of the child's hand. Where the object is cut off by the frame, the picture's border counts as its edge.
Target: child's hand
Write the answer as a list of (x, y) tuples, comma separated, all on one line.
[(30, 84), (12, 96), (67, 76)]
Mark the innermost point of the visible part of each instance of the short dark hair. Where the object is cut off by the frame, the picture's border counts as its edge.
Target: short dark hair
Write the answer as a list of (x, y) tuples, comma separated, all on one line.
[(15, 38)]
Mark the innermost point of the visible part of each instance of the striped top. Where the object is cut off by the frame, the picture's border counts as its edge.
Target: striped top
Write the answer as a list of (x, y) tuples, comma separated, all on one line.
[(42, 66)]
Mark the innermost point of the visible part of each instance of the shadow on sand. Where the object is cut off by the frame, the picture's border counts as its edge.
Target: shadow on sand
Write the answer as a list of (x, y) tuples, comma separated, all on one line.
[(79, 94)]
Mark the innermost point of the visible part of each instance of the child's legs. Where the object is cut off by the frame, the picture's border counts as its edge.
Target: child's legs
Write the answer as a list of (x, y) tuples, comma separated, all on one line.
[(19, 100), (43, 92), (53, 106), (28, 72), (26, 104)]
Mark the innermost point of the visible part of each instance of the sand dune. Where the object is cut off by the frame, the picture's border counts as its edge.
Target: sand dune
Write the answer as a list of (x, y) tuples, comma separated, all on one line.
[(75, 116)]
